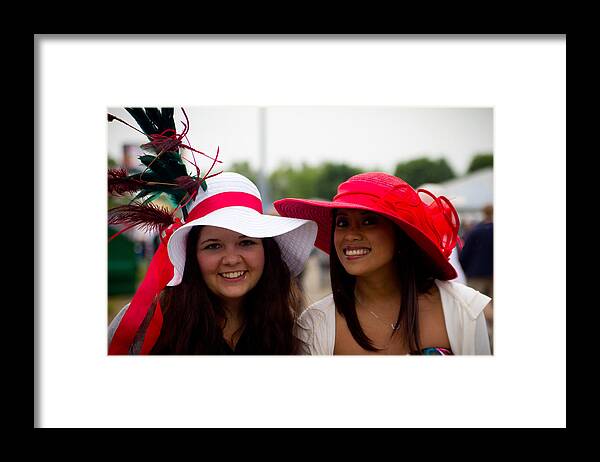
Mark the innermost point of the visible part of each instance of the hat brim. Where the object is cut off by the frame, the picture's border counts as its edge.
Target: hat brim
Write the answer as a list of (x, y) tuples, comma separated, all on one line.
[(295, 236), (321, 212)]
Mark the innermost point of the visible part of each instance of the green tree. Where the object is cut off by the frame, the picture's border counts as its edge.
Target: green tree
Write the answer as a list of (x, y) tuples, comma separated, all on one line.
[(309, 181), (479, 161), (424, 170), (287, 181), (330, 175)]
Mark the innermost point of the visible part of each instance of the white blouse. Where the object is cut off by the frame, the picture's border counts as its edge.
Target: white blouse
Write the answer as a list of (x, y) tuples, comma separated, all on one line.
[(463, 312)]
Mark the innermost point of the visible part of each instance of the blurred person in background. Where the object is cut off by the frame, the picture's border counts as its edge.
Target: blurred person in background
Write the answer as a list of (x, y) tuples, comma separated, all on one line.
[(391, 278), (477, 259), (223, 282)]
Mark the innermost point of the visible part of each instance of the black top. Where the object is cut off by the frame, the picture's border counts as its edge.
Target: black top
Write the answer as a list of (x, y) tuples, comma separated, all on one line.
[(244, 346)]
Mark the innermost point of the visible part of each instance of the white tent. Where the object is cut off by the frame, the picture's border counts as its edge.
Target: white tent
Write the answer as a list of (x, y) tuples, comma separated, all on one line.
[(469, 193)]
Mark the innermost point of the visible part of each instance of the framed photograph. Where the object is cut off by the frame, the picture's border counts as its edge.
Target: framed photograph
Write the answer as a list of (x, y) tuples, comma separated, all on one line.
[(330, 99)]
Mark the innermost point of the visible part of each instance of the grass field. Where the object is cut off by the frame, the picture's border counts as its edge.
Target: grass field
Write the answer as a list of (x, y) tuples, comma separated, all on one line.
[(115, 303)]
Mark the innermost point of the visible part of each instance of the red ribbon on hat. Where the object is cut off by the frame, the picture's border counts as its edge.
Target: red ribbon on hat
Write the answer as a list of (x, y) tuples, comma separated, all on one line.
[(444, 222), (160, 272)]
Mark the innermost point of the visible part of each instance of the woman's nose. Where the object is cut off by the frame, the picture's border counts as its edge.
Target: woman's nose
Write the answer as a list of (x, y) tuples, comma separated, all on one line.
[(352, 234), (232, 257)]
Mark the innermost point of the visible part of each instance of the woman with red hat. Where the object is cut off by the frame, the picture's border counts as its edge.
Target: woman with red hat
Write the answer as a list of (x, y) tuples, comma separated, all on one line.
[(392, 293), (223, 282)]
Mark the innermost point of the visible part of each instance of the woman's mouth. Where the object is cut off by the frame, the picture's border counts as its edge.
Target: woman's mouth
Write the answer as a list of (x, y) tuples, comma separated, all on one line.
[(352, 253), (233, 276)]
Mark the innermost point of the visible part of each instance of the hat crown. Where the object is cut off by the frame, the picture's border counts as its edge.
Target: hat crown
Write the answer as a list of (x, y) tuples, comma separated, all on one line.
[(223, 183), (377, 184), (382, 179)]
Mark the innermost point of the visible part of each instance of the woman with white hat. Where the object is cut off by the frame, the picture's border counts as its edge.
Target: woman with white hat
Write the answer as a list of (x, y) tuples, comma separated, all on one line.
[(391, 279), (223, 282)]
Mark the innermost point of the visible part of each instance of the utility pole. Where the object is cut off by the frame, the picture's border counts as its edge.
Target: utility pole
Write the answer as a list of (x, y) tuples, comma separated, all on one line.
[(263, 184)]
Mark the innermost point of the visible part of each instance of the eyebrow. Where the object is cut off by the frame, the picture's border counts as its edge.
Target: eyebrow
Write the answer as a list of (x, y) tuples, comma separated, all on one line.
[(212, 239), (209, 240)]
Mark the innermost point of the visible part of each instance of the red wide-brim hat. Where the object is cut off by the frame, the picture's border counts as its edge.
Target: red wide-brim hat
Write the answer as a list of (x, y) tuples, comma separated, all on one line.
[(431, 222)]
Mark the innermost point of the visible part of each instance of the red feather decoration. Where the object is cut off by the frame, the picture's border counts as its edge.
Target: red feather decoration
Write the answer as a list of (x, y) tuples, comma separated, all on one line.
[(148, 217), (120, 184), (190, 184)]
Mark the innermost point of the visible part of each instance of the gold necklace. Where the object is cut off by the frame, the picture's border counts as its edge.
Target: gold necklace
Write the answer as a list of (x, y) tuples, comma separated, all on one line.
[(389, 324)]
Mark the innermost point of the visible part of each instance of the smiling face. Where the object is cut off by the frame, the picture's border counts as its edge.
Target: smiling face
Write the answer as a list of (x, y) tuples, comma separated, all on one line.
[(231, 263), (364, 241)]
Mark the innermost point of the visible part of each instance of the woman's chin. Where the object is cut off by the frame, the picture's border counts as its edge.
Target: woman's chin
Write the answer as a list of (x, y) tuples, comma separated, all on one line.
[(233, 293), (356, 269)]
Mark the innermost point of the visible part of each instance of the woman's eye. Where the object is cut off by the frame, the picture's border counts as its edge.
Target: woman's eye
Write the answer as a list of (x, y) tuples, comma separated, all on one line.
[(212, 246), (341, 222), (247, 243)]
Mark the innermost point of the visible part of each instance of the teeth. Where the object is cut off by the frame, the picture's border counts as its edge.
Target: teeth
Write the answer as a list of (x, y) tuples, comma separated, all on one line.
[(232, 275), (356, 252)]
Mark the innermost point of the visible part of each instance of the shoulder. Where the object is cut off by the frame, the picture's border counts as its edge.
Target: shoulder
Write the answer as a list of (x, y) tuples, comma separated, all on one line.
[(465, 322), (460, 297), (315, 326), (320, 311), (323, 305)]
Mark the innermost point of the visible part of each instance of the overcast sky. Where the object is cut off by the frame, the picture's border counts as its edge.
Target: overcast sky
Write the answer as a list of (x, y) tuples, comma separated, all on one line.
[(373, 138)]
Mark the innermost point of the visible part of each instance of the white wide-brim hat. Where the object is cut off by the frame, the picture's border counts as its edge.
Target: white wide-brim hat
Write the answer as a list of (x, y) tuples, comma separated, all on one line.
[(233, 202)]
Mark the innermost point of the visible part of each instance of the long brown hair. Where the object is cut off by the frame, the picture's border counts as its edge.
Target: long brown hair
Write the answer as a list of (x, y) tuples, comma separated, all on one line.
[(414, 277), (193, 315)]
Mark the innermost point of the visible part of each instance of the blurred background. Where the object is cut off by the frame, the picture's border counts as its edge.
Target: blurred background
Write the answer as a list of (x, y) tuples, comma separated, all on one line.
[(306, 152)]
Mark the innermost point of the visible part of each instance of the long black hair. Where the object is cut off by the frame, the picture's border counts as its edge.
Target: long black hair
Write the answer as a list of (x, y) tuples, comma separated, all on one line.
[(414, 277), (193, 316)]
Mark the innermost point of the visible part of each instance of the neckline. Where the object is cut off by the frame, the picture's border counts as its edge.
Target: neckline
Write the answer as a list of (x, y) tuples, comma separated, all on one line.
[(443, 299)]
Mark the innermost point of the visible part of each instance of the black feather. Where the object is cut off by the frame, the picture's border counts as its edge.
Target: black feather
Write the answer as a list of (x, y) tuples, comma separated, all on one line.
[(154, 183), (155, 117), (174, 196), (142, 120), (167, 166), (167, 118), (162, 171)]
